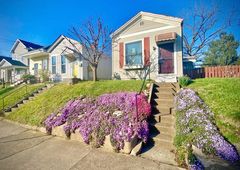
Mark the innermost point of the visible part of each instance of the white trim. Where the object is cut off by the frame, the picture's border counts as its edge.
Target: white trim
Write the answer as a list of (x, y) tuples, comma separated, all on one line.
[(132, 41), (147, 31)]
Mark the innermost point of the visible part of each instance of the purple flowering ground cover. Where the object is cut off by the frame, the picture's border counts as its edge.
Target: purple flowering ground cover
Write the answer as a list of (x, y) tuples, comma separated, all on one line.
[(113, 114), (195, 125)]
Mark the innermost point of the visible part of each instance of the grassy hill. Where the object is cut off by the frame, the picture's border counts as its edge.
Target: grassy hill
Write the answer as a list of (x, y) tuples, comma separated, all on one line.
[(222, 95), (35, 111)]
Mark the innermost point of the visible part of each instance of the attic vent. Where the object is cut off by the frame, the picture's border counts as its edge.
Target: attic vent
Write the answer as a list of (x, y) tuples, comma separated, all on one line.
[(141, 23)]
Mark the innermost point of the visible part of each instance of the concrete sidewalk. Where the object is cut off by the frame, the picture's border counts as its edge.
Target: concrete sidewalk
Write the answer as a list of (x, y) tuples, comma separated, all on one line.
[(25, 149)]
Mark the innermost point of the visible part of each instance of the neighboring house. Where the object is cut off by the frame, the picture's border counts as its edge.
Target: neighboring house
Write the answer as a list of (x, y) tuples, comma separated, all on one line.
[(58, 60), (144, 39), (11, 70)]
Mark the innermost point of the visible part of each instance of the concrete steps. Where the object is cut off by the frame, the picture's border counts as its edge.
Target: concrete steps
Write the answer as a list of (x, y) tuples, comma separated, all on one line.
[(162, 125), (7, 111)]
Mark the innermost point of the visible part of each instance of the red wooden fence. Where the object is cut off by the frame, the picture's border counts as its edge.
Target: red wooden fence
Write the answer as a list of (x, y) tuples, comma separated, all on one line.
[(222, 71), (217, 71)]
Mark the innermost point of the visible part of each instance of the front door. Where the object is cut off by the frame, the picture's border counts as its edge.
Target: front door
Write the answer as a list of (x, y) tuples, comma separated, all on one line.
[(166, 58), (36, 69)]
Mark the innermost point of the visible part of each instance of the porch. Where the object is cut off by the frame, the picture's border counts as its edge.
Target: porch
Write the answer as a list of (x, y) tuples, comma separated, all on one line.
[(11, 71)]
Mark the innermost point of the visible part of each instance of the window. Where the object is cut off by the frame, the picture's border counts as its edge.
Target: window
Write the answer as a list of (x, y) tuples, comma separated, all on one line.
[(63, 64), (53, 64), (134, 53)]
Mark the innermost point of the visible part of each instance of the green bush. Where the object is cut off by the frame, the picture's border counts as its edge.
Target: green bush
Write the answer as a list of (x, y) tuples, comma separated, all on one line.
[(184, 81), (29, 77), (44, 75)]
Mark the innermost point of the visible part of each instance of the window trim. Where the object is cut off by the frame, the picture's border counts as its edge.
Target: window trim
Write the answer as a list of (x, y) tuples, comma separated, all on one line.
[(54, 65), (138, 65), (65, 64)]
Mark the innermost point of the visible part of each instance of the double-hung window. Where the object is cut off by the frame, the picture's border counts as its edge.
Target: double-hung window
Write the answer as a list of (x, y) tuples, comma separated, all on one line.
[(133, 53), (53, 64), (63, 64)]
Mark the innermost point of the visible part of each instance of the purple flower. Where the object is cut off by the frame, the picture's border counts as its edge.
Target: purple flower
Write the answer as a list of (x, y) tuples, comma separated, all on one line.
[(94, 118), (195, 124)]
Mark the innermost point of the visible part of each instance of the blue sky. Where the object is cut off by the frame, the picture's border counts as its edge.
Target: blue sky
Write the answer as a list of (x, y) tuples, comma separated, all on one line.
[(43, 21)]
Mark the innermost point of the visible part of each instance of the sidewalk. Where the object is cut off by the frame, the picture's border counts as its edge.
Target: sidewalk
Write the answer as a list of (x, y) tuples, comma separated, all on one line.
[(25, 149)]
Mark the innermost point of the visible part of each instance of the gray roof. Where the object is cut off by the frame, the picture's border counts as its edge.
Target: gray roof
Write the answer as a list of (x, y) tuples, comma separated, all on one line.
[(13, 62)]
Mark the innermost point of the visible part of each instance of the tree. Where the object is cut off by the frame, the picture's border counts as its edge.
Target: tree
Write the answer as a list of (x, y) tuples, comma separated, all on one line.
[(222, 51), (201, 27), (95, 41)]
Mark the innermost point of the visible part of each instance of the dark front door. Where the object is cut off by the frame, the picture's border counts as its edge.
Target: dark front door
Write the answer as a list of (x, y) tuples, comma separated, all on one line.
[(166, 58)]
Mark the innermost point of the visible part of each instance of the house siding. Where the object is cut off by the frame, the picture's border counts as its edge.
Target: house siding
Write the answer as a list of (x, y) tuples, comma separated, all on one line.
[(18, 51)]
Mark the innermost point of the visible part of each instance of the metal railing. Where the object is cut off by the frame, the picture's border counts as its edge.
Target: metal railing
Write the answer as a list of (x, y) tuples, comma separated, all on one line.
[(23, 90), (15, 96), (141, 89)]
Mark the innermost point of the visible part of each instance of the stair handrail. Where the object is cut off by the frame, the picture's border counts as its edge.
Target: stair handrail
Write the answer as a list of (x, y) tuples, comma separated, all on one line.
[(147, 67), (14, 91), (26, 93)]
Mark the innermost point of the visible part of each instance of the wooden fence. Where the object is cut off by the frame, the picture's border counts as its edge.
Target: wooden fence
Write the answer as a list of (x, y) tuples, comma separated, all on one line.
[(217, 71)]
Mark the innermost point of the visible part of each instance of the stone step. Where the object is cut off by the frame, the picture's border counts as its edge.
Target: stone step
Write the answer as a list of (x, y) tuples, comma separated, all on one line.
[(167, 124), (169, 89), (25, 101), (166, 84), (161, 109), (164, 102), (31, 98), (165, 129), (157, 136), (13, 109), (19, 105), (159, 152)]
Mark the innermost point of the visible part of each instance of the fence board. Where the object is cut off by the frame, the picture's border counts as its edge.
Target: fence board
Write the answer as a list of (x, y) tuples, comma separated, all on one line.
[(217, 71)]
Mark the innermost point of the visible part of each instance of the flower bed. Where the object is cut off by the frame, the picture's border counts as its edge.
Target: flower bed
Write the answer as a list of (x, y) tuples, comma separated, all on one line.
[(122, 116), (195, 126)]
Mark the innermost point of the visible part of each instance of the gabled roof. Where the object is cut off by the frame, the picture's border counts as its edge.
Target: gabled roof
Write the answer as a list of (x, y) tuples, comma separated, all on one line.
[(55, 43), (28, 45), (140, 15), (11, 61)]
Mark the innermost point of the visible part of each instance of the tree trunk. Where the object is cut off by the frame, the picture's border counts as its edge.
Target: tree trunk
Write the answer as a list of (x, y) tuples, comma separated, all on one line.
[(94, 72)]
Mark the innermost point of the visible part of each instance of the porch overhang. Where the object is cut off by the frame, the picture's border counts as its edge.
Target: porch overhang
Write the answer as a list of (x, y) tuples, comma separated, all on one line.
[(4, 64), (171, 36), (36, 53)]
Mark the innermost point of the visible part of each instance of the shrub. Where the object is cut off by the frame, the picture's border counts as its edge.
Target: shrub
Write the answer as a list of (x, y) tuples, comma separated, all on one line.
[(29, 77), (109, 114), (195, 125), (184, 81), (44, 75)]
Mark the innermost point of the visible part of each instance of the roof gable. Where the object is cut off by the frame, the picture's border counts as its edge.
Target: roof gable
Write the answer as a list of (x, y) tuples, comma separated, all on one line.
[(29, 46), (148, 17), (63, 45)]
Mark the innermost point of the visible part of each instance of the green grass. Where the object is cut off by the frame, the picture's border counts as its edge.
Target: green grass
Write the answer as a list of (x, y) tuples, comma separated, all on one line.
[(12, 96), (222, 95), (35, 111), (5, 90)]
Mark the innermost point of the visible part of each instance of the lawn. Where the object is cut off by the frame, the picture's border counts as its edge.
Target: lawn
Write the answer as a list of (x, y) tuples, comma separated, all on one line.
[(222, 95), (35, 111), (12, 95), (5, 90)]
